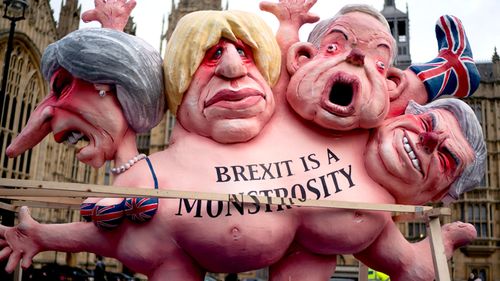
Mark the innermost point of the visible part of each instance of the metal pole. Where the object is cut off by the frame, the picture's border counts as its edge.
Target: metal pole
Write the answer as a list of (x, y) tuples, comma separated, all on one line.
[(6, 66)]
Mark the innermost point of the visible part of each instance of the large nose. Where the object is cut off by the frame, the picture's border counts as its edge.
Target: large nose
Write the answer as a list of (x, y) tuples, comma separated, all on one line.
[(36, 129), (429, 141), (231, 65), (356, 57)]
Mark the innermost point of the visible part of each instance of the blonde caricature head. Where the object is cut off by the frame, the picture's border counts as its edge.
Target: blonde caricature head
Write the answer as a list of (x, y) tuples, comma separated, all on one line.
[(199, 31)]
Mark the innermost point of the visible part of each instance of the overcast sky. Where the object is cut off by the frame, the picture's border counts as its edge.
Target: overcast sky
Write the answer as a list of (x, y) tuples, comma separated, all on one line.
[(481, 19)]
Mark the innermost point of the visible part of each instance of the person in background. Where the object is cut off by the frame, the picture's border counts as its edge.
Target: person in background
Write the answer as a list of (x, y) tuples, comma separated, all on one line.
[(100, 269)]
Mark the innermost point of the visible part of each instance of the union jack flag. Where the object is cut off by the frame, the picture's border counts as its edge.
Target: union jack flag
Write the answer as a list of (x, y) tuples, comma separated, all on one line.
[(140, 209), (453, 71), (86, 210), (108, 217)]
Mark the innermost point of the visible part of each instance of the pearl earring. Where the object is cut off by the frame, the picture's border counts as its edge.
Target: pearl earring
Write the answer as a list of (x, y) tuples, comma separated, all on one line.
[(102, 93)]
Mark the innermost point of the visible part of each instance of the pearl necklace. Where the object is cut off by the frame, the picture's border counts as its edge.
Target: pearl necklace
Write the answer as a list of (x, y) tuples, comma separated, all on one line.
[(122, 168)]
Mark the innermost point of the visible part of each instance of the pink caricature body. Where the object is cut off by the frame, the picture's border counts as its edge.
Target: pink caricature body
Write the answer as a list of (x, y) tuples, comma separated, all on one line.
[(234, 135)]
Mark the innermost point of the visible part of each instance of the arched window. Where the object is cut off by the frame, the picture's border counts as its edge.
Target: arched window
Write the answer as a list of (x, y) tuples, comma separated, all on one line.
[(24, 89)]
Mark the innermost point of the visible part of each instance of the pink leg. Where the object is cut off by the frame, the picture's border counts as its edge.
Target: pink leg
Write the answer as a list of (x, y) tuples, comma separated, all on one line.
[(177, 268), (403, 261), (302, 265)]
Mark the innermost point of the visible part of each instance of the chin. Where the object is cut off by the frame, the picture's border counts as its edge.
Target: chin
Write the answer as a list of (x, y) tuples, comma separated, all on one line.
[(95, 161), (236, 133), (339, 124)]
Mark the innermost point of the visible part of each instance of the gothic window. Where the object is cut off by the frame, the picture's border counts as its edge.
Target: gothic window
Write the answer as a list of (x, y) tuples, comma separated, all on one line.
[(143, 140), (401, 31), (416, 231), (480, 271), (23, 91), (481, 216)]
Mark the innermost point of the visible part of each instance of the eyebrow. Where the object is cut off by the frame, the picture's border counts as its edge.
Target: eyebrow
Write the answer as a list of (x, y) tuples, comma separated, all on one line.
[(334, 30), (433, 120)]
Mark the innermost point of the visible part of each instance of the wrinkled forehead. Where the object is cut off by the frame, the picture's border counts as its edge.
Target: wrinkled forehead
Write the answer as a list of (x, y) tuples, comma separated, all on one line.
[(361, 27)]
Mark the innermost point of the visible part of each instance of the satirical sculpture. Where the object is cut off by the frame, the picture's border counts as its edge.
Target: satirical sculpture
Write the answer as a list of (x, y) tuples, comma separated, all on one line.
[(236, 136), (220, 85), (106, 86)]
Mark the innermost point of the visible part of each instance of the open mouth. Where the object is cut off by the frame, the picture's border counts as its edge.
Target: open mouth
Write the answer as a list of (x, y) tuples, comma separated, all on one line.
[(70, 137), (340, 98), (411, 154)]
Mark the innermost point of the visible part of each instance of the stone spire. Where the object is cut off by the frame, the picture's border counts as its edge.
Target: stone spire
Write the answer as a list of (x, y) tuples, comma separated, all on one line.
[(187, 6), (495, 58), (69, 17), (399, 23)]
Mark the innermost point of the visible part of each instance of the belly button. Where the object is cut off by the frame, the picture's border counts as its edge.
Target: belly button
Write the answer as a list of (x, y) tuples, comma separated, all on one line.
[(236, 233), (358, 217)]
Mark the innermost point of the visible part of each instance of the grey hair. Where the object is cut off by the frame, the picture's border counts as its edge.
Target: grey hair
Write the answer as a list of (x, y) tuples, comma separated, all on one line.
[(473, 133), (107, 56), (323, 27)]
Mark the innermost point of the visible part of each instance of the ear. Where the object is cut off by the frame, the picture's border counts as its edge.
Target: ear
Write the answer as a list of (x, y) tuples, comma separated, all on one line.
[(396, 82), (299, 54)]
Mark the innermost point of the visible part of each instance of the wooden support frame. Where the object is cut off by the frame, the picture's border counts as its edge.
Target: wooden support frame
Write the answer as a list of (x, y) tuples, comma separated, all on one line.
[(69, 194), (441, 269)]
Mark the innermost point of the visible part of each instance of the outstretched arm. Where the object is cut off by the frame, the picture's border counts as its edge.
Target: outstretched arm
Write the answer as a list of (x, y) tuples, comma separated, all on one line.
[(112, 14), (28, 238), (392, 254), (292, 14)]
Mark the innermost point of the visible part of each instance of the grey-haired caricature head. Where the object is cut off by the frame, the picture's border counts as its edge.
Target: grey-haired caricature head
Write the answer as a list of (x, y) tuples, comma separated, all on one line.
[(105, 86), (339, 77), (433, 152), (473, 173), (107, 56)]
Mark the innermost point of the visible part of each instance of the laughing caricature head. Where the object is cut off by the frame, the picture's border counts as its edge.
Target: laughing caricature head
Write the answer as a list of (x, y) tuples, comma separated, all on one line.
[(433, 152), (339, 78), (103, 83), (219, 69)]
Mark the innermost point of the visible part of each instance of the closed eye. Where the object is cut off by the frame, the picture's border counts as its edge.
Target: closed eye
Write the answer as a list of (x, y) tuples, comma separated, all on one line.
[(449, 158), (428, 122)]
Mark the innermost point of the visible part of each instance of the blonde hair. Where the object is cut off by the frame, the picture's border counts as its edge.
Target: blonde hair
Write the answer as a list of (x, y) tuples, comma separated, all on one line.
[(199, 31)]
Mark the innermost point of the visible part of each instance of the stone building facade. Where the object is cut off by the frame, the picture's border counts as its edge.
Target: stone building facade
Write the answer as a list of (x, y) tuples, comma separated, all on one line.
[(55, 162), (26, 87)]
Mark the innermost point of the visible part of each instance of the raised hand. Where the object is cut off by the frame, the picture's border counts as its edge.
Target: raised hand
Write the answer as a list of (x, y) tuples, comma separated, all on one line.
[(295, 12), (112, 14), (19, 242)]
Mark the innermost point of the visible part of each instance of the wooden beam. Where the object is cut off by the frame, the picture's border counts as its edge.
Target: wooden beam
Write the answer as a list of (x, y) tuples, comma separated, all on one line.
[(363, 272), (56, 189), (38, 204), (437, 247), (8, 207), (422, 216), (64, 201)]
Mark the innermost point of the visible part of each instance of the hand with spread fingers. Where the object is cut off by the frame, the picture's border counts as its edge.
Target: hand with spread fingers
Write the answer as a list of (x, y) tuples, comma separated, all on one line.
[(19, 242), (293, 11), (112, 14)]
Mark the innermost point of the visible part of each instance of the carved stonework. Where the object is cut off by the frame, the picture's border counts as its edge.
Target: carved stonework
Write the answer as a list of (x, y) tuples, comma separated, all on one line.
[(69, 18)]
